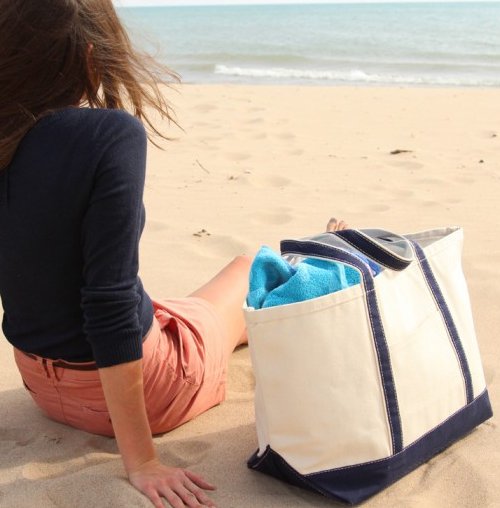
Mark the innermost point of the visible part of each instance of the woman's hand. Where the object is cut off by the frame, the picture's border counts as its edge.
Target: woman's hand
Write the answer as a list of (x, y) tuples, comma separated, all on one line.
[(179, 487), (123, 389)]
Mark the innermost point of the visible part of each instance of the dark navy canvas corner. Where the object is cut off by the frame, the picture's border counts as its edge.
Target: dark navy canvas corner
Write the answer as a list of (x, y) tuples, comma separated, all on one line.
[(355, 484)]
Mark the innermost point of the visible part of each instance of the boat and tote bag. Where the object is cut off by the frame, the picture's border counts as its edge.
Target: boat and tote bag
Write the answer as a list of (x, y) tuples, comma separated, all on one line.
[(356, 388)]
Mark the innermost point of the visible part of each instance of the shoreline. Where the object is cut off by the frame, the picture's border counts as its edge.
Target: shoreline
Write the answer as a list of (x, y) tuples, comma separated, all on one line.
[(347, 85)]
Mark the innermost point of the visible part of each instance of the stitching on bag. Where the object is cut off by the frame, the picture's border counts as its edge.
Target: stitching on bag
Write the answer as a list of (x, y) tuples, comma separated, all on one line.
[(456, 343), (423, 436), (378, 356), (381, 370), (301, 477), (264, 455), (431, 289)]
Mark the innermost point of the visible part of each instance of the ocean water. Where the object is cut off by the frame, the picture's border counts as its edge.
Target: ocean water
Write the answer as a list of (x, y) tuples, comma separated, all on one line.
[(405, 44)]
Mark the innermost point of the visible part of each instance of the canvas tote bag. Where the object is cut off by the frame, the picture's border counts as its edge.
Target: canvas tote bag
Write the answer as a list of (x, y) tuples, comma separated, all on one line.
[(357, 388)]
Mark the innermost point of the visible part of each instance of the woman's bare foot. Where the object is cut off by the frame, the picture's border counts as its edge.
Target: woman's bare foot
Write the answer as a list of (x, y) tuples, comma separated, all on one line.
[(336, 225)]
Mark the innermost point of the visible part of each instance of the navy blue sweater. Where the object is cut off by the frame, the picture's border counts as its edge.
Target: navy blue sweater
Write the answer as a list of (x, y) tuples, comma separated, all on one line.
[(71, 216)]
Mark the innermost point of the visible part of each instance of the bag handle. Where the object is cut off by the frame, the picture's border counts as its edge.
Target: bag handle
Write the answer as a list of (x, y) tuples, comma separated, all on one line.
[(385, 248), (313, 248)]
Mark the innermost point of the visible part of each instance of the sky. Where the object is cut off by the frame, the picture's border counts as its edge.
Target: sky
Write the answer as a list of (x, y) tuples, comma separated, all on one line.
[(127, 3)]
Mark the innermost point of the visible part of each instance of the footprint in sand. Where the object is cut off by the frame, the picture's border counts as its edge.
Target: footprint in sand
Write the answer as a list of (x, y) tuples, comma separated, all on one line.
[(276, 218), (428, 202), (237, 156), (407, 165), (450, 469), (254, 120), (204, 108), (243, 380), (211, 147), (221, 245), (203, 124), (428, 181), (465, 179), (209, 141), (404, 193), (286, 136), (16, 437), (102, 444), (377, 207), (39, 470), (187, 453), (276, 181), (155, 225), (261, 135)]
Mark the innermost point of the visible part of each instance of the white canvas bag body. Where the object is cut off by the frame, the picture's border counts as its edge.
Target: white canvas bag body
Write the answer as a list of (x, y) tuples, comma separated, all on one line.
[(357, 388)]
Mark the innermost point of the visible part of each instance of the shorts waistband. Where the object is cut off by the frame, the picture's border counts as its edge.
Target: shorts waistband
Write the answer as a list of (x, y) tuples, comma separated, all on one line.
[(85, 366), (63, 364)]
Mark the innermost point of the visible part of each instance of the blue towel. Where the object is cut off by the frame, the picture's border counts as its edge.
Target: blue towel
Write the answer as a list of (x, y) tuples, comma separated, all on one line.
[(273, 281)]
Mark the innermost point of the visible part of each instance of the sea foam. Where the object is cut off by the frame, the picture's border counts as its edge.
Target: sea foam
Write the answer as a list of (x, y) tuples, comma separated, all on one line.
[(354, 76)]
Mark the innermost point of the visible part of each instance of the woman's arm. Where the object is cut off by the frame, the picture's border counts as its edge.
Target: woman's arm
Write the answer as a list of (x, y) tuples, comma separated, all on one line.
[(123, 389)]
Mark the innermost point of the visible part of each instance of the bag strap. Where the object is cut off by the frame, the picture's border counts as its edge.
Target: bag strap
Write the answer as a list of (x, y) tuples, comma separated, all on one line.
[(383, 247), (317, 249), (440, 300)]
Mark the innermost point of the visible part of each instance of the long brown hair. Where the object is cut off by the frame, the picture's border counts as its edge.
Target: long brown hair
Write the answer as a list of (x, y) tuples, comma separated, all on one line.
[(56, 53)]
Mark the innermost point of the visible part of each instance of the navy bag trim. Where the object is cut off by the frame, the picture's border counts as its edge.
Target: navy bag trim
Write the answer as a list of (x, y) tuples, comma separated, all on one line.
[(373, 250), (316, 249), (448, 320), (354, 484)]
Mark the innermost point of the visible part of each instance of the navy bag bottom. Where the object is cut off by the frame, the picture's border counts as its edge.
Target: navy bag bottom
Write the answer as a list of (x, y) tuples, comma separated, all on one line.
[(354, 484)]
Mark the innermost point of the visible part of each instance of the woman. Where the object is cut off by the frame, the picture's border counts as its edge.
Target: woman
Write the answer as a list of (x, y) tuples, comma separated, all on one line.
[(93, 350)]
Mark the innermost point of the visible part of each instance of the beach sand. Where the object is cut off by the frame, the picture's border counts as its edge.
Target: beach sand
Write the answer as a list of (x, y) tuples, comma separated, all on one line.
[(254, 165)]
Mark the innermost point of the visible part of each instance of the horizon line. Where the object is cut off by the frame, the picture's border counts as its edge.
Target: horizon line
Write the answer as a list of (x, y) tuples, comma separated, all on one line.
[(236, 3)]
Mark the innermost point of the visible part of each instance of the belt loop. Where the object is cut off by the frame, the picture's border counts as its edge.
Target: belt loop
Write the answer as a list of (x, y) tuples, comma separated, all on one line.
[(50, 369), (57, 377), (46, 367)]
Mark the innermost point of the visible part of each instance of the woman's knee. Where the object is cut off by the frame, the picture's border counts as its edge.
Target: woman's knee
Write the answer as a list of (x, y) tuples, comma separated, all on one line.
[(243, 261)]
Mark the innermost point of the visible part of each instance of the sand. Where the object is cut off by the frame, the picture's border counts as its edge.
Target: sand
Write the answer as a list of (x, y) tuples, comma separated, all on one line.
[(256, 164)]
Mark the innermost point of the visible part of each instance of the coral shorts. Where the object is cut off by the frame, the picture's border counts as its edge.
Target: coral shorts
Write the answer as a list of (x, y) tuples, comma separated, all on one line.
[(184, 364)]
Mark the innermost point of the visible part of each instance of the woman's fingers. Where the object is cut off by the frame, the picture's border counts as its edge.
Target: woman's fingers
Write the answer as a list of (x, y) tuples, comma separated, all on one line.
[(173, 499), (190, 500), (199, 481), (177, 497), (154, 497), (194, 492), (181, 488)]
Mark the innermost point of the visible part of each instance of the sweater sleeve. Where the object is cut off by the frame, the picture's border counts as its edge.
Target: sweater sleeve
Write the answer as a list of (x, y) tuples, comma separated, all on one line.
[(111, 229)]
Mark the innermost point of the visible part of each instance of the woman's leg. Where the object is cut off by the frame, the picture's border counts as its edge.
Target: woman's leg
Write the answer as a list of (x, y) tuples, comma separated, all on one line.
[(228, 289), (227, 292)]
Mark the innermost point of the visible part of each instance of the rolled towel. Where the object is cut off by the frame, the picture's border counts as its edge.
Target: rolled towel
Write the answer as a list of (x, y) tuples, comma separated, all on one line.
[(268, 272), (273, 281)]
